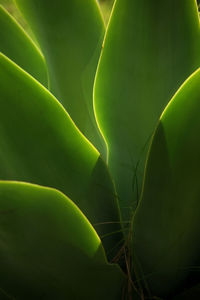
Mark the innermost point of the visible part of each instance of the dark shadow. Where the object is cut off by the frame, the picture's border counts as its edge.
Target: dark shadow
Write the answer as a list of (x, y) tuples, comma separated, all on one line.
[(162, 264), (105, 209)]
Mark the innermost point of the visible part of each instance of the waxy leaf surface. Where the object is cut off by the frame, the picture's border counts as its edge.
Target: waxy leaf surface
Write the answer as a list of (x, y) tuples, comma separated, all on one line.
[(70, 34), (49, 250), (150, 48), (19, 47), (166, 228), (40, 144)]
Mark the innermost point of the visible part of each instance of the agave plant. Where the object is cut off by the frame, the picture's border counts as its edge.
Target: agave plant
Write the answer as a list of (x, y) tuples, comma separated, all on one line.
[(99, 151)]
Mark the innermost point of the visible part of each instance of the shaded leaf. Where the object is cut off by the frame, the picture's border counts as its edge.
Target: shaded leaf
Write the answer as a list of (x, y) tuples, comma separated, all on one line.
[(70, 34), (150, 48), (49, 250), (166, 228)]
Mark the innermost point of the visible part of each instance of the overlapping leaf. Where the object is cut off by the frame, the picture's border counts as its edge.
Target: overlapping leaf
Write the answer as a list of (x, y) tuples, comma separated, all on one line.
[(106, 8), (166, 228), (49, 250), (70, 34), (16, 44), (150, 48), (40, 144)]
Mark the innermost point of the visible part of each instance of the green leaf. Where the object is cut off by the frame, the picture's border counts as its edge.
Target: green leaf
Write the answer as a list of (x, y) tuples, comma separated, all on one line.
[(70, 34), (19, 47), (166, 225), (49, 250), (150, 48), (106, 8), (40, 144)]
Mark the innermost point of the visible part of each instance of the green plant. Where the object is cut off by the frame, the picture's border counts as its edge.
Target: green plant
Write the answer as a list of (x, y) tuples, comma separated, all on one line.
[(132, 230), (106, 7)]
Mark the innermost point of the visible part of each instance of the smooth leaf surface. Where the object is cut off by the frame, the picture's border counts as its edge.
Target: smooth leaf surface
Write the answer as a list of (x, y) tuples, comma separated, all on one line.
[(18, 46), (166, 228), (40, 144), (49, 250), (106, 8), (70, 34), (150, 48)]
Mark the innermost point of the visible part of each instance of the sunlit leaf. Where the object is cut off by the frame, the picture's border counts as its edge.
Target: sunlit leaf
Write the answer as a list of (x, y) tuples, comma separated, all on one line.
[(40, 144), (16, 44), (106, 8)]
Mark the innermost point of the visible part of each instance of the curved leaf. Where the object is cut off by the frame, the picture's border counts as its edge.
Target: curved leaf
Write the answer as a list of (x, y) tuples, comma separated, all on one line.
[(166, 225), (49, 250), (40, 144), (70, 34), (18, 46), (150, 48)]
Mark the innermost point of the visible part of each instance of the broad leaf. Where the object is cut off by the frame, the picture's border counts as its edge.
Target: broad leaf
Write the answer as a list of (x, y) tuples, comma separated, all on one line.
[(49, 250), (150, 48), (70, 34), (40, 144), (166, 228), (18, 46)]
